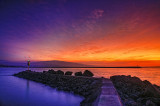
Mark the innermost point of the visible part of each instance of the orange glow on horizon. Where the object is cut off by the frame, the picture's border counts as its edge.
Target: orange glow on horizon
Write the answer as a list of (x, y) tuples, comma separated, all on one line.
[(121, 35)]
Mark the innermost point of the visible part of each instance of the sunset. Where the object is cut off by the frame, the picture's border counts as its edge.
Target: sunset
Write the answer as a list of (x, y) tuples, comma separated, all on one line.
[(79, 31), (104, 36)]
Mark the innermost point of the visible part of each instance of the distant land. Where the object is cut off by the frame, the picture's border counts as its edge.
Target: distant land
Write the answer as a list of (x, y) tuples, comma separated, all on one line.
[(151, 67), (55, 64), (43, 64)]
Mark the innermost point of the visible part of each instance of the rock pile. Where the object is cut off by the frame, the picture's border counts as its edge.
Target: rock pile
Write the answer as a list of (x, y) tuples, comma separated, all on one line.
[(68, 73), (135, 92), (88, 87)]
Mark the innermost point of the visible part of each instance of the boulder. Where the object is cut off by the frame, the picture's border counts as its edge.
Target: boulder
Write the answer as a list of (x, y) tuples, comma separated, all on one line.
[(88, 73), (60, 72), (134, 91), (151, 91), (68, 73), (28, 70), (150, 103), (44, 71), (78, 74), (51, 71)]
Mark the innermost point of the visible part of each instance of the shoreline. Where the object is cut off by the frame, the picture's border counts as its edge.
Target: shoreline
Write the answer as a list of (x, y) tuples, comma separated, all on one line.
[(132, 90), (88, 87)]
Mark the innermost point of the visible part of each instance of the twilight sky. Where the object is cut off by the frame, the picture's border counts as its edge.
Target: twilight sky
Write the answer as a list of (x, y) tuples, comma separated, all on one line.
[(103, 32)]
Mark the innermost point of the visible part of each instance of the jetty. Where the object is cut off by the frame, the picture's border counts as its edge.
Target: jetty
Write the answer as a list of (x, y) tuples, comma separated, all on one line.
[(109, 95), (96, 91)]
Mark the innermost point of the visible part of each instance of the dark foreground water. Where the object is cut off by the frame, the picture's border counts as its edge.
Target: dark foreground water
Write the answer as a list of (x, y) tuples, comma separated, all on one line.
[(20, 92)]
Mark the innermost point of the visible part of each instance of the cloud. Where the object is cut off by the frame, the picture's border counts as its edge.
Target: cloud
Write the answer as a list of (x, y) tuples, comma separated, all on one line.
[(97, 13), (91, 21)]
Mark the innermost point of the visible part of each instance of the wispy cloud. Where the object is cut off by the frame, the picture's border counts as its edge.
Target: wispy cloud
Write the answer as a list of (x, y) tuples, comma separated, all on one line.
[(96, 14)]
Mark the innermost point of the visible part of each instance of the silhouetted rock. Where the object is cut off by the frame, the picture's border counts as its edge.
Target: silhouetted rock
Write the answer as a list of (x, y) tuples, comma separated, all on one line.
[(151, 91), (158, 87), (60, 72), (150, 103), (135, 92), (87, 87), (44, 71), (51, 71), (88, 73), (78, 74), (68, 73), (28, 70)]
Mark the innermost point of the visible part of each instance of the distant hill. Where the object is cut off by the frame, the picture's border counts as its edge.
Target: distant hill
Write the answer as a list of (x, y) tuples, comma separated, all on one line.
[(56, 63), (60, 64), (46, 64)]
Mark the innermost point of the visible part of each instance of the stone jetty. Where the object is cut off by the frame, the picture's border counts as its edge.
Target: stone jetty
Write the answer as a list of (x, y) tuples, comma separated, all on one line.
[(135, 92), (109, 95), (84, 85), (116, 91)]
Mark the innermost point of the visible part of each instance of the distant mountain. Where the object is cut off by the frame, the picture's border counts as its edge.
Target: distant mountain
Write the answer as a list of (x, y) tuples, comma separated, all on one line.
[(46, 64), (56, 63)]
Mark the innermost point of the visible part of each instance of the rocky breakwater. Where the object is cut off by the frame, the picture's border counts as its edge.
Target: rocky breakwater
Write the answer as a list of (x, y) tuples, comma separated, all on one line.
[(82, 83), (135, 92)]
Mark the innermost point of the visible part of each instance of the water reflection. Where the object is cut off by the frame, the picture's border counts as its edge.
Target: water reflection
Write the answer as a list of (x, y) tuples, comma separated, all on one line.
[(150, 74), (27, 89), (16, 91)]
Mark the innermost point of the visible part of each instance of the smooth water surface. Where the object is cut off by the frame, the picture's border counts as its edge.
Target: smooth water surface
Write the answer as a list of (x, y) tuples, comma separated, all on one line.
[(20, 92), (16, 91)]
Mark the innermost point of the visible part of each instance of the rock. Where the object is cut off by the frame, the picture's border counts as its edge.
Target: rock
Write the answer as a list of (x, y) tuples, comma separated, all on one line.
[(78, 74), (156, 101), (132, 89), (134, 96), (51, 71), (68, 73), (130, 103), (44, 71), (151, 91), (28, 70), (84, 86), (88, 73), (150, 103), (158, 87), (60, 72)]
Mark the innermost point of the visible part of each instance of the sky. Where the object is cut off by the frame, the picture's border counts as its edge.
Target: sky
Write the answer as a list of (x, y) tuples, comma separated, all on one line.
[(99, 32)]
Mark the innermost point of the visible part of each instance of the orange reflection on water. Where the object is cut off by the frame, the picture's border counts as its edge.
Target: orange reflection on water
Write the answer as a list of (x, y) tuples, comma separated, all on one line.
[(150, 74)]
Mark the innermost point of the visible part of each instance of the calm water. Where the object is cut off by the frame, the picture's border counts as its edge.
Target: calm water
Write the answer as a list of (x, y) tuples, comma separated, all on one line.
[(18, 91), (150, 74)]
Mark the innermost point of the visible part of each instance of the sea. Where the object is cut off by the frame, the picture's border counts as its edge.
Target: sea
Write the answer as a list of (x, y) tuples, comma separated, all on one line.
[(16, 91)]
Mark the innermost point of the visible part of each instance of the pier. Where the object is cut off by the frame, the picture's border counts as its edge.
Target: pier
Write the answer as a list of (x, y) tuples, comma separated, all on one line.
[(109, 95)]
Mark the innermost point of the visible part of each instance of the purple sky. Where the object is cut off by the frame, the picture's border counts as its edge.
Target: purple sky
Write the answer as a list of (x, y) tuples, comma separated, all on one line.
[(80, 30)]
